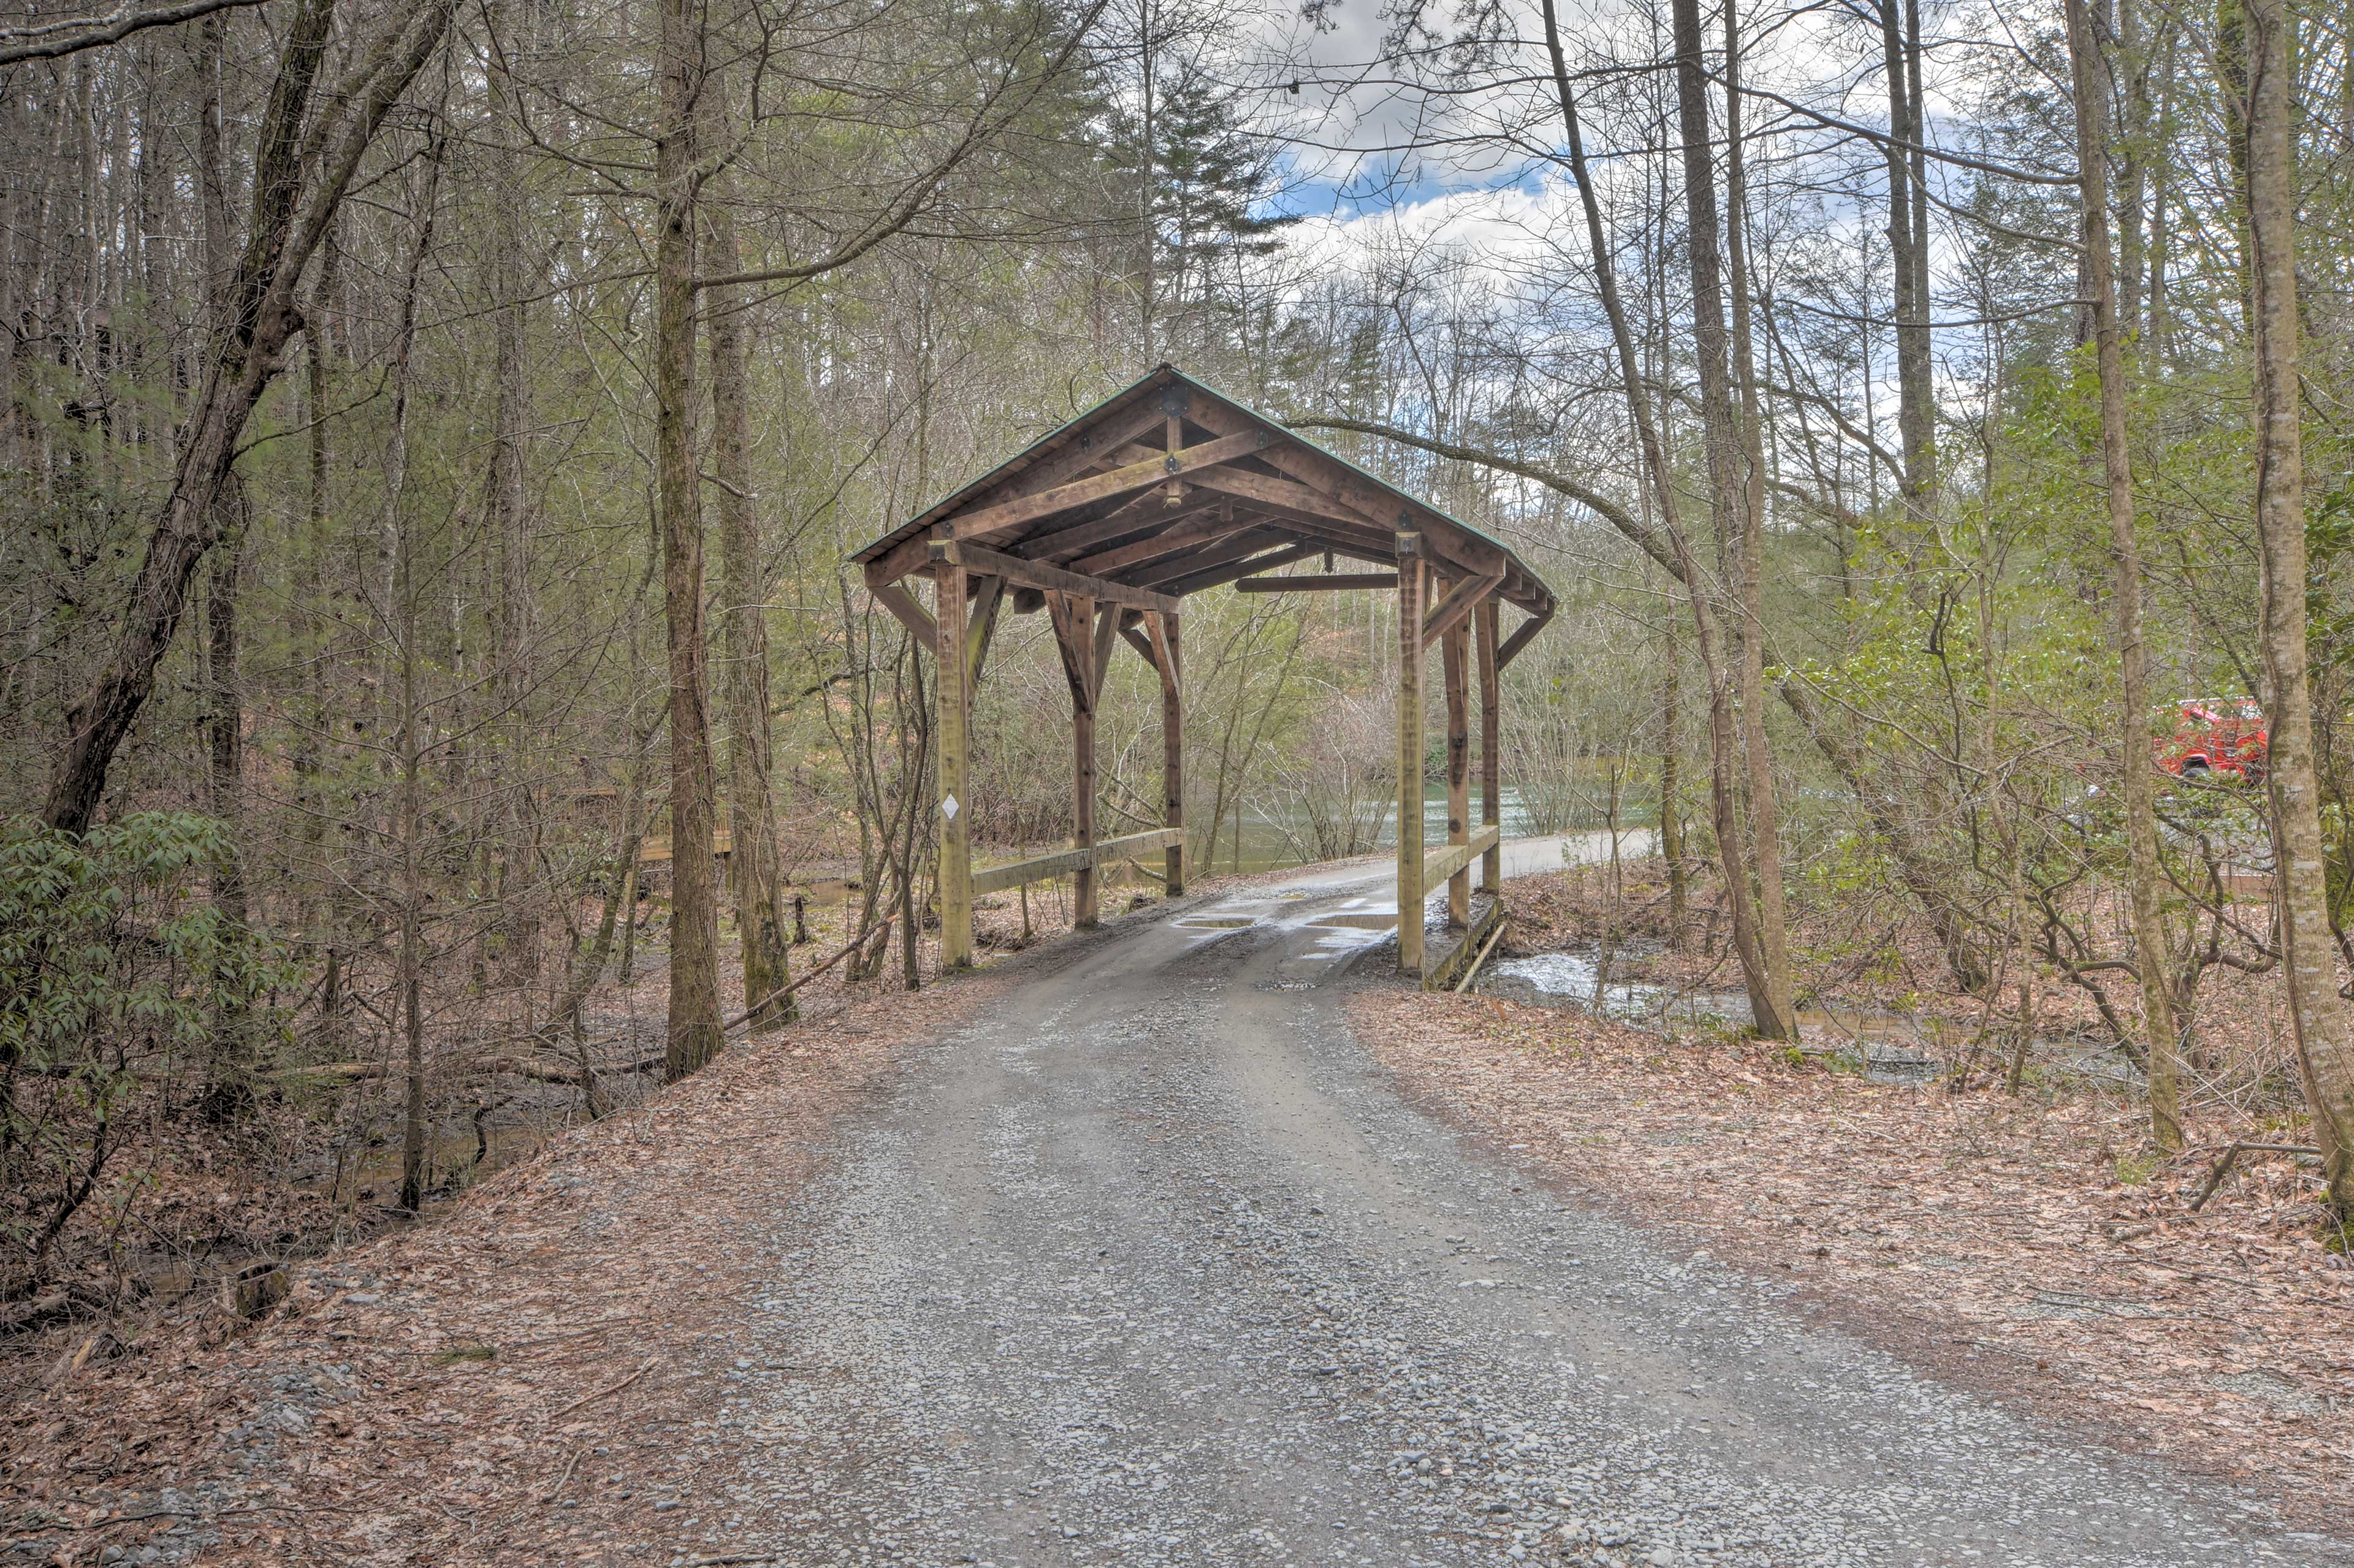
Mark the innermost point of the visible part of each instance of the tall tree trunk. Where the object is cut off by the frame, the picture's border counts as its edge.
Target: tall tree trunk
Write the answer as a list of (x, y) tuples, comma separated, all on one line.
[(692, 1035), (230, 1089), (2144, 873), (514, 280), (411, 740), (322, 916), (1148, 227), (2154, 332), (1723, 750), (411, 977), (224, 718), (2316, 1010), (1900, 32), (2129, 67), (1765, 806), (1925, 386), (1671, 822), (752, 855), (2233, 83), (1721, 438)]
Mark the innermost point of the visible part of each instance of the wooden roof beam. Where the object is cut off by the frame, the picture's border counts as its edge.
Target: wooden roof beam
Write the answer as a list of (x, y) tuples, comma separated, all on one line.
[(1213, 576), (1458, 604), (970, 525), (1322, 472), (1130, 517), (1148, 513), (1129, 621), (1275, 490), (1521, 636), (1038, 575), (1201, 530), (1085, 450), (911, 614), (1218, 552), (1082, 450), (1343, 539), (1317, 582)]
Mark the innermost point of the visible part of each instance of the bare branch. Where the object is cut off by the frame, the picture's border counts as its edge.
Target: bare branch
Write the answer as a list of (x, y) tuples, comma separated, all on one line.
[(53, 39)]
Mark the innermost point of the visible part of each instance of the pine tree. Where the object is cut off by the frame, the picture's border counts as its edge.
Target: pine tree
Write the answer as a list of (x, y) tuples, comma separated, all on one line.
[(1212, 187)]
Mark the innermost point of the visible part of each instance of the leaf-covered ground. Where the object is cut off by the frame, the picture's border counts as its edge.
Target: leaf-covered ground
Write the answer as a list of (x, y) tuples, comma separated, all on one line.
[(2028, 1247), (507, 1382)]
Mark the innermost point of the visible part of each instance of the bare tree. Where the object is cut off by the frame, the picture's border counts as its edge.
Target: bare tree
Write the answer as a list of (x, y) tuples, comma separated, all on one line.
[(2317, 1007), (694, 1034), (303, 165), (752, 858), (2143, 876)]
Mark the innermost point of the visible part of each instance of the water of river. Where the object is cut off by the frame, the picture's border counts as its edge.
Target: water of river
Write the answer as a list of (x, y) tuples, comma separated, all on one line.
[(1890, 1047), (1275, 840)]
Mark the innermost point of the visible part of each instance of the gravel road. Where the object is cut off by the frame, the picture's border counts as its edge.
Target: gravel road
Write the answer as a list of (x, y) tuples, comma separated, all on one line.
[(1155, 1267)]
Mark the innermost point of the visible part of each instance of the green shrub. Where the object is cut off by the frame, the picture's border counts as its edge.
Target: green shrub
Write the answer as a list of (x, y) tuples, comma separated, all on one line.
[(117, 975)]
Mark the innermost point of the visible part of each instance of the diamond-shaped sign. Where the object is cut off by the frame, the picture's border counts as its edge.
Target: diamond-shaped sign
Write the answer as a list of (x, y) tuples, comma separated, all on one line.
[(949, 808)]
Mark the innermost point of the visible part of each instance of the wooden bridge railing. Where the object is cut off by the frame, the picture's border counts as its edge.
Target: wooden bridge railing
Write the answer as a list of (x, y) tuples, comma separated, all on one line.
[(1441, 864), (1463, 626), (1087, 857)]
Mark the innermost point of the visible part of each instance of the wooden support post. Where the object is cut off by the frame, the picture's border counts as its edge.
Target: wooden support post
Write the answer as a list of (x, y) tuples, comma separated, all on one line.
[(1414, 587), (1076, 630), (1137, 638), (1491, 762), (1163, 627), (981, 625), (1454, 652), (953, 683), (1107, 638), (902, 604)]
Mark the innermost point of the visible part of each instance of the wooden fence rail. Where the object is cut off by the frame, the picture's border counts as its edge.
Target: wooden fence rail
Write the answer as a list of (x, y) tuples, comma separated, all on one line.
[(1441, 863), (998, 878)]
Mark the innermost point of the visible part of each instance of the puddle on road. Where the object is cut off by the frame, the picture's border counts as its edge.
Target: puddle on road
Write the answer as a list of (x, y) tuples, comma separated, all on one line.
[(1385, 920), (1333, 931)]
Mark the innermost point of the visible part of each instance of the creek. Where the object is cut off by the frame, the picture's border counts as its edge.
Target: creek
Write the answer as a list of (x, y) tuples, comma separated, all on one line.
[(1887, 1045)]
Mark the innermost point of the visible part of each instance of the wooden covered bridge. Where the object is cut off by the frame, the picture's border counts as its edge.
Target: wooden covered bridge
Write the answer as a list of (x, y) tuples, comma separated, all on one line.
[(1158, 492)]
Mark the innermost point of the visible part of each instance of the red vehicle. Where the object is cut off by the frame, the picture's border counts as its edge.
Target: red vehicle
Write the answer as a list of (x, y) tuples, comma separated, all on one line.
[(2218, 738)]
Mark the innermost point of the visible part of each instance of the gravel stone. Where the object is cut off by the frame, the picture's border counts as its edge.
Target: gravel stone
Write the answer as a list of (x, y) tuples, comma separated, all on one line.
[(1154, 1265)]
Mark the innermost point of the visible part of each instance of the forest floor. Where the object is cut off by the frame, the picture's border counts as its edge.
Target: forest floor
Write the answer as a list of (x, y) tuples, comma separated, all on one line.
[(490, 1365), (546, 1369), (455, 1363), (191, 1209), (2033, 1244)]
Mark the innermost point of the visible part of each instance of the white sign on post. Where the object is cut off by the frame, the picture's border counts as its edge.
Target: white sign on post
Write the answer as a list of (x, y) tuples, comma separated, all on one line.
[(949, 808)]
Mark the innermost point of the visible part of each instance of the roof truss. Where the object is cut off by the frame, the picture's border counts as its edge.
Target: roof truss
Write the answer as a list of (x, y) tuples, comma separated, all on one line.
[(1168, 488)]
